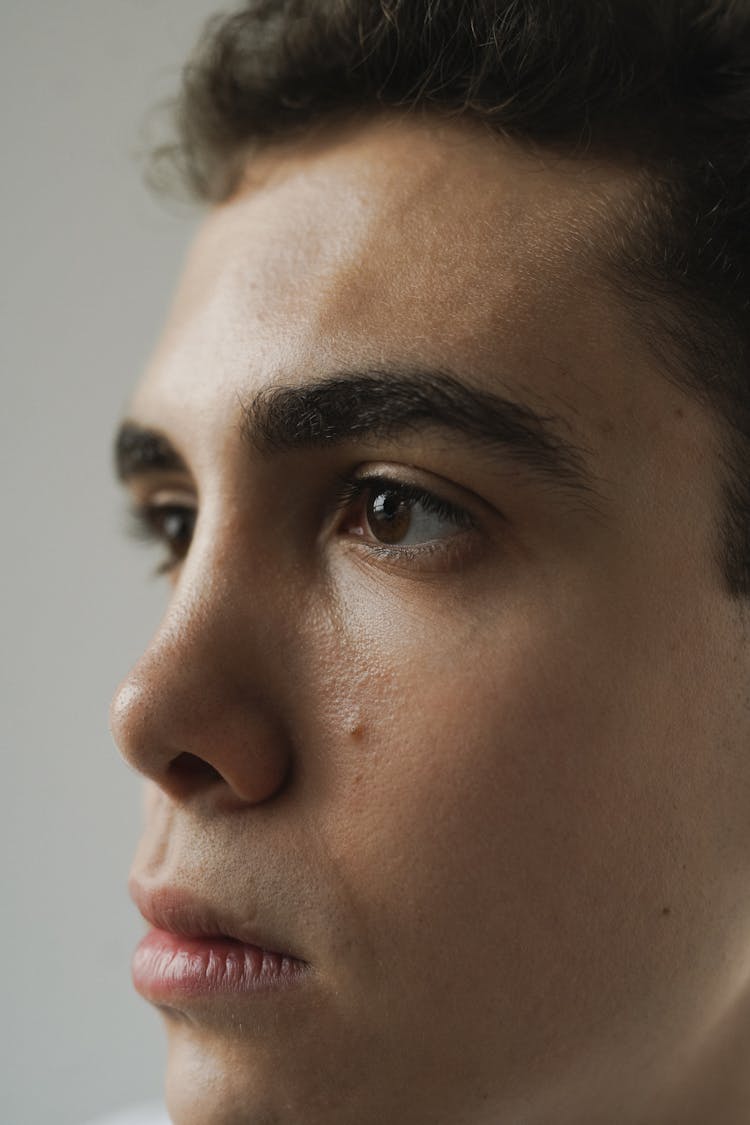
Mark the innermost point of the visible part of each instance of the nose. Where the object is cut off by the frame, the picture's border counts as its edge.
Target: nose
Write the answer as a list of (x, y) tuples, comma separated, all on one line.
[(194, 713)]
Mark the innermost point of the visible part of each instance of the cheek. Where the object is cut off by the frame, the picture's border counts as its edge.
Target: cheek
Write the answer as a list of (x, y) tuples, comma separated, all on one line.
[(531, 747), (461, 759), (500, 799), (443, 717)]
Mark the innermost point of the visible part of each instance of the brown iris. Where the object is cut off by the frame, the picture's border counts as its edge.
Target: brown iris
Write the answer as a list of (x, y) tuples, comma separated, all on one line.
[(388, 515)]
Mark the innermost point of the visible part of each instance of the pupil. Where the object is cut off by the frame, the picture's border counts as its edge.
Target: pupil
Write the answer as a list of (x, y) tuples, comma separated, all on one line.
[(388, 516), (175, 525)]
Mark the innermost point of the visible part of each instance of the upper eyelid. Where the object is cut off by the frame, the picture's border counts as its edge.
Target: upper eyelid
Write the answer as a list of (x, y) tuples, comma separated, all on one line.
[(481, 511), (140, 509), (148, 488), (170, 497), (139, 514), (354, 488), (413, 491), (443, 489)]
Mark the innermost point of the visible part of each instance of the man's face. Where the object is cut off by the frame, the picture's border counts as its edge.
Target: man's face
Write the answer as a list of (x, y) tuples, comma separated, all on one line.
[(448, 701)]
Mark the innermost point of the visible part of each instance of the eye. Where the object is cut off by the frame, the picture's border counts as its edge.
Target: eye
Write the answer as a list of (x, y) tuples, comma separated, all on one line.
[(399, 515), (170, 523)]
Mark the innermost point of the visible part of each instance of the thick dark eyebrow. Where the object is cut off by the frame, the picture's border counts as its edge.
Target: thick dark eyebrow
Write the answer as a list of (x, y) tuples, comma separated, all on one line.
[(139, 451), (381, 405)]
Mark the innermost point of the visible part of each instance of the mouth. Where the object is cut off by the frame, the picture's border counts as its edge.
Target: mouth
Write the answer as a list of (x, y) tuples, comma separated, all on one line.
[(195, 950)]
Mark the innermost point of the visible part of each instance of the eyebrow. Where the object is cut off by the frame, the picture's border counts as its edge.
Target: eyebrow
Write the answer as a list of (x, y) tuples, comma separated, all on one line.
[(382, 405), (385, 404), (139, 451)]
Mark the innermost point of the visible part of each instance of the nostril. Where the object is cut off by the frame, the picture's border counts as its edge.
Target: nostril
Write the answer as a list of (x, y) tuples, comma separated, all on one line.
[(190, 769)]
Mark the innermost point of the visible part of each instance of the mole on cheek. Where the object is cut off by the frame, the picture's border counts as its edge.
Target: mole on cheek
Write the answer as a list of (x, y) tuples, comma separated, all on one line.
[(354, 725)]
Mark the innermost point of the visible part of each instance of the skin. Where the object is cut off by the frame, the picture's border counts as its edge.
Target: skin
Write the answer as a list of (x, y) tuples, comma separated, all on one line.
[(496, 793)]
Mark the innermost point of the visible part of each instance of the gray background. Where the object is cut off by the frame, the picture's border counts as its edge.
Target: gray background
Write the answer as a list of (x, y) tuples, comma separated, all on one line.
[(88, 260)]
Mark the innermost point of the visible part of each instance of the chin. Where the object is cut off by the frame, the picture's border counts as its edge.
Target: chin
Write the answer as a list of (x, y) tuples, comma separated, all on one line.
[(212, 1081), (238, 1075)]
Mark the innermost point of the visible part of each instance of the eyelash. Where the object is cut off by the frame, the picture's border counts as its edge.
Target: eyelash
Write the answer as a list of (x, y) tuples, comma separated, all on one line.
[(353, 490), (147, 520), (146, 524)]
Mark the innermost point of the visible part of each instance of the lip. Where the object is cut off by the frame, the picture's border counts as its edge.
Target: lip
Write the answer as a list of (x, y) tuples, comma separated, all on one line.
[(195, 950)]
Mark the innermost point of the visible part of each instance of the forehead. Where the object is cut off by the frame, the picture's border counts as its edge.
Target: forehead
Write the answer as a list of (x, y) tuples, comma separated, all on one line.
[(425, 242)]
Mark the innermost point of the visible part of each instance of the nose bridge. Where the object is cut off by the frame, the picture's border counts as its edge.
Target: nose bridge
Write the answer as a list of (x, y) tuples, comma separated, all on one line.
[(198, 707), (206, 638)]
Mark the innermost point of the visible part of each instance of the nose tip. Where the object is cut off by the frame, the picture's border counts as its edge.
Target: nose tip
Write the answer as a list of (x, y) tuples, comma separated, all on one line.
[(189, 737), (123, 715)]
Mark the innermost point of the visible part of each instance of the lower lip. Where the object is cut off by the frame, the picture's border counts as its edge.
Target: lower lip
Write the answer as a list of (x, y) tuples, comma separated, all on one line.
[(170, 966)]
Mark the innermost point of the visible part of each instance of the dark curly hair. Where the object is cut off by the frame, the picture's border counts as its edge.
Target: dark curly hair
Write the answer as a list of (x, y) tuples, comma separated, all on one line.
[(663, 85)]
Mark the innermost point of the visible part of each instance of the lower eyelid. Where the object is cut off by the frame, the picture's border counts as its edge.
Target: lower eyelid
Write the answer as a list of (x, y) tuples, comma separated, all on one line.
[(433, 559)]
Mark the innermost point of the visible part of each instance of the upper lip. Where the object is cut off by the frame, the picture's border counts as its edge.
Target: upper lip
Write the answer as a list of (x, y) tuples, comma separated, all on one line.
[(179, 912)]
